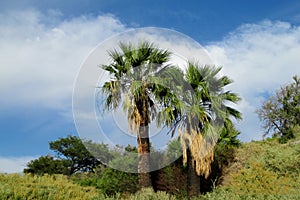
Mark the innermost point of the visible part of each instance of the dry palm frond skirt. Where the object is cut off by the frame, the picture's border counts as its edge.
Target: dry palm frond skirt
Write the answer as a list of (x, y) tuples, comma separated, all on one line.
[(202, 150)]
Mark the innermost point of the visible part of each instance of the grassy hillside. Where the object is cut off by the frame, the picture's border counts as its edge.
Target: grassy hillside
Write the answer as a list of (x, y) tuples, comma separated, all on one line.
[(260, 170), (263, 170)]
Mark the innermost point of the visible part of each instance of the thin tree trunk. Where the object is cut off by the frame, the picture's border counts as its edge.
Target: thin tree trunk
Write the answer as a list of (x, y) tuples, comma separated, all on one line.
[(193, 180), (144, 156)]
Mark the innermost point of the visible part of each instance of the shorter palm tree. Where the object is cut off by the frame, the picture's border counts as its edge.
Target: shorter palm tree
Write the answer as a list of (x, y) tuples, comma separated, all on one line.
[(202, 109)]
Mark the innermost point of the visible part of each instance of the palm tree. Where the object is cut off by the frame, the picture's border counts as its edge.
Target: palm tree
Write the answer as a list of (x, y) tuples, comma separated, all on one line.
[(136, 81), (203, 110)]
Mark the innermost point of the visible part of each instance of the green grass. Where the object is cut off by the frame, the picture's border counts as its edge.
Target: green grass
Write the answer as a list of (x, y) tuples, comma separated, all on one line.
[(56, 187)]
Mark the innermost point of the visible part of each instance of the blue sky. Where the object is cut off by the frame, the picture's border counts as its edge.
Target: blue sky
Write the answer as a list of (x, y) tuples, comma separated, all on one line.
[(44, 43)]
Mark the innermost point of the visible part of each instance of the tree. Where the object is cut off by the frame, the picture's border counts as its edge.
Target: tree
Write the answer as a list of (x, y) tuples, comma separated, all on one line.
[(280, 113), (203, 111), (73, 150), (47, 165), (71, 156), (136, 80)]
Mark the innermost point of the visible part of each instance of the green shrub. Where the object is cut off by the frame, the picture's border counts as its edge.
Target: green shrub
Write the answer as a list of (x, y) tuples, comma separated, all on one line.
[(108, 181), (114, 181)]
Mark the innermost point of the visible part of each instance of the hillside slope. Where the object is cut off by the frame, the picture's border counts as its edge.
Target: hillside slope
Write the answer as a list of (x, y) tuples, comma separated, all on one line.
[(262, 170)]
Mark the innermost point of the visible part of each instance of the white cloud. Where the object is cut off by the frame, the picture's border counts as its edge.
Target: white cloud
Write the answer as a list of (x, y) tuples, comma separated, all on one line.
[(259, 58), (39, 60), (14, 164)]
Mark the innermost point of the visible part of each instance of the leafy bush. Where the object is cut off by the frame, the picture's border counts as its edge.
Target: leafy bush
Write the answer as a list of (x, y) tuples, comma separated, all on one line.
[(113, 181), (108, 181)]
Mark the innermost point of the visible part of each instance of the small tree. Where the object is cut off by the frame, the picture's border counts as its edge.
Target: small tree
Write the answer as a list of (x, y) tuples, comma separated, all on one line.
[(280, 113), (73, 150), (72, 156)]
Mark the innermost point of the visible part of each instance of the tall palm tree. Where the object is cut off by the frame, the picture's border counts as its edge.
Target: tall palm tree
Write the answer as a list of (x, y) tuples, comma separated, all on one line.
[(136, 81), (203, 110)]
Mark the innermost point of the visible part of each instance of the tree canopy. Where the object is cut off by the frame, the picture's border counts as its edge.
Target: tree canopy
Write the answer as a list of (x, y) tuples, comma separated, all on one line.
[(47, 165)]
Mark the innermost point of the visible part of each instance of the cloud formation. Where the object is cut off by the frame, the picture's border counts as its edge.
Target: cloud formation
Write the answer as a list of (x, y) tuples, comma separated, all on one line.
[(259, 58), (40, 57)]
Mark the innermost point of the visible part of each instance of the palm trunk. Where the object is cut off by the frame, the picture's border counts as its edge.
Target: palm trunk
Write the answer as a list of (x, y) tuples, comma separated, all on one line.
[(193, 180), (144, 156), (143, 141)]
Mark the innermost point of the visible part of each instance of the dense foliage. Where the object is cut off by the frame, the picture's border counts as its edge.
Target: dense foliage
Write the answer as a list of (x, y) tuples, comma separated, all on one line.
[(108, 181)]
